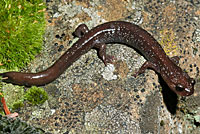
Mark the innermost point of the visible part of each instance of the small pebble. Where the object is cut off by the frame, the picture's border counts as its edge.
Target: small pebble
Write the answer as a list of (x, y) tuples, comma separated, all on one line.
[(66, 103), (60, 48), (57, 36), (56, 124), (137, 96), (63, 35), (143, 90), (56, 118)]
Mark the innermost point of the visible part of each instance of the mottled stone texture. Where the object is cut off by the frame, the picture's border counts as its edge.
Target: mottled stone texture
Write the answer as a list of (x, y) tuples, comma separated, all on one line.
[(83, 101)]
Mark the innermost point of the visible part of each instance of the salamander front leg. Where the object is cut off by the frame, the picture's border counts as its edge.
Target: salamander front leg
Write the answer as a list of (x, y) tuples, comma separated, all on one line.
[(101, 49), (81, 30), (146, 65)]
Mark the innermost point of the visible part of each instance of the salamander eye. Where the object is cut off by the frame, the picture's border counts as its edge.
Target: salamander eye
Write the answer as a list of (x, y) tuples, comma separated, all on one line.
[(192, 81), (179, 88)]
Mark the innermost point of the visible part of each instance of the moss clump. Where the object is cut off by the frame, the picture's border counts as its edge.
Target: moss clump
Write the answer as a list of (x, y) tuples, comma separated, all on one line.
[(17, 105), (36, 95), (21, 31), (16, 126)]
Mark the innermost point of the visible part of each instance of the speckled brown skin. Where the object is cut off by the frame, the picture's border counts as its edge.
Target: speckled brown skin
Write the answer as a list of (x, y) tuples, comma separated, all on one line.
[(112, 32)]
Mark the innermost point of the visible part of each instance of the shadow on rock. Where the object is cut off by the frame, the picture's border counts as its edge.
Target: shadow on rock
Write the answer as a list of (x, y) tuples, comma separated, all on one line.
[(170, 98)]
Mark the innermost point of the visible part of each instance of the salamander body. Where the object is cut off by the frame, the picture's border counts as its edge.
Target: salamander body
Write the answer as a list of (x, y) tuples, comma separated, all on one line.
[(112, 32)]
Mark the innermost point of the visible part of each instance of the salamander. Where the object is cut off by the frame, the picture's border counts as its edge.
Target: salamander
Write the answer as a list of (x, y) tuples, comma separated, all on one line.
[(112, 32)]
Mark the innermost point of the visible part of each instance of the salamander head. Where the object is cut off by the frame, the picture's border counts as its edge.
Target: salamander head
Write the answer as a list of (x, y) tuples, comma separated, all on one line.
[(181, 83)]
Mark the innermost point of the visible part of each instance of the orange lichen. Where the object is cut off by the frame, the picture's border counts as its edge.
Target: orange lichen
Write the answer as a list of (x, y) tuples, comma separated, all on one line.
[(6, 110), (113, 10)]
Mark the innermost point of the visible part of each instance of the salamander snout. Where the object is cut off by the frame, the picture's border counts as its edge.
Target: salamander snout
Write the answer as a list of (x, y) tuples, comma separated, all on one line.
[(186, 89)]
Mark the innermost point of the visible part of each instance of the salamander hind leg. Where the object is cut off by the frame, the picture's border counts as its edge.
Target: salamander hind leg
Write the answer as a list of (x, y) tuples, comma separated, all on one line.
[(81, 30), (146, 65), (101, 49)]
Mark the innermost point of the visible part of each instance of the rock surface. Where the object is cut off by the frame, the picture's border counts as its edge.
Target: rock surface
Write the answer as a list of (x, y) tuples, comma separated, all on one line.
[(83, 100)]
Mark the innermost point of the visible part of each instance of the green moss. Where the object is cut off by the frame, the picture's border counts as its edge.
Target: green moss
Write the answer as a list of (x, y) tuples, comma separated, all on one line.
[(17, 105), (36, 95), (17, 126), (21, 31), (13, 94)]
